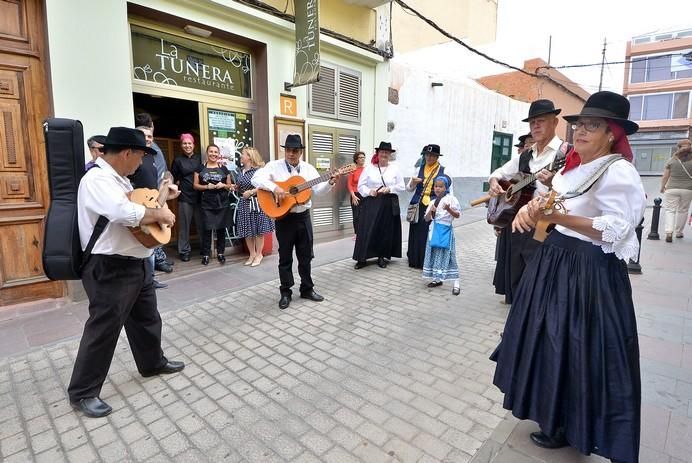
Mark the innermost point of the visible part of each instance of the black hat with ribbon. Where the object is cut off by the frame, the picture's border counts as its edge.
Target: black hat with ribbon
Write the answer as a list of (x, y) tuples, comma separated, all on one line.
[(432, 149), (385, 146), (540, 108), (124, 138), (607, 105), (293, 141)]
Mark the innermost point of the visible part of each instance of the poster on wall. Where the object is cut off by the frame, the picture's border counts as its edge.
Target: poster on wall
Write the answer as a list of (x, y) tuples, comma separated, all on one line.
[(231, 131), (284, 127)]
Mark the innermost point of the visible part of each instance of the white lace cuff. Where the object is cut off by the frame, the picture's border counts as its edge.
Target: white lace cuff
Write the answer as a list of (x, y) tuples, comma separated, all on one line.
[(618, 236)]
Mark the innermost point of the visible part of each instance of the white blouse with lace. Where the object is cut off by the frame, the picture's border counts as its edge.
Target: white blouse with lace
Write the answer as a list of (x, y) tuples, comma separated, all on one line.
[(615, 202)]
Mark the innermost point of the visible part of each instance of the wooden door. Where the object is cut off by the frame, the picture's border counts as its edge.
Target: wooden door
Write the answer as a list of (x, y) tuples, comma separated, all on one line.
[(24, 195)]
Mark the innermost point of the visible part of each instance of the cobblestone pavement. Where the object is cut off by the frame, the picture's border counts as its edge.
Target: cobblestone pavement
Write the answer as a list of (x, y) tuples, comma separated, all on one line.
[(385, 369)]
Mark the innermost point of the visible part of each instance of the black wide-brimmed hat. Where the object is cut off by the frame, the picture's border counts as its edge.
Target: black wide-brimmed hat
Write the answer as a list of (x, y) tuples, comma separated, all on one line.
[(385, 146), (607, 105), (541, 107), (293, 141), (522, 140), (432, 149), (124, 138)]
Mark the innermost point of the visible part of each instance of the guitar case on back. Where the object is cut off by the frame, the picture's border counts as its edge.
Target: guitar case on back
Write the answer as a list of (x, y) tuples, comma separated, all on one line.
[(62, 249)]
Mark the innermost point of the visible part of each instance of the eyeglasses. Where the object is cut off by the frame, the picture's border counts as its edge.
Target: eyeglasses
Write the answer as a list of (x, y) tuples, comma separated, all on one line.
[(589, 126)]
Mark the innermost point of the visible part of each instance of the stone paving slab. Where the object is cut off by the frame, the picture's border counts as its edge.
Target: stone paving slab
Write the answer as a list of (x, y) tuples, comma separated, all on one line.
[(384, 370)]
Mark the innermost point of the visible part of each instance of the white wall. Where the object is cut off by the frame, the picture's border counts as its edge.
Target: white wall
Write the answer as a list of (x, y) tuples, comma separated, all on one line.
[(91, 60), (90, 63), (460, 116)]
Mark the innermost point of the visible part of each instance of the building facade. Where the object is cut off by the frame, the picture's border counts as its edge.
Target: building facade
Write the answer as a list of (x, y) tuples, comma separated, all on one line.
[(551, 85), (215, 68), (658, 82)]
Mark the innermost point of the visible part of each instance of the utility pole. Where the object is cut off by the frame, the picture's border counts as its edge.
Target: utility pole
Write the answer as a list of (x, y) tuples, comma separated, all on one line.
[(600, 82), (550, 46)]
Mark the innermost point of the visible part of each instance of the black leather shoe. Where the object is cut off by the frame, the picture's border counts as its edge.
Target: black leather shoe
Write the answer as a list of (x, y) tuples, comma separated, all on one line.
[(221, 258), (285, 301), (159, 285), (164, 267), (170, 262), (381, 263), (547, 442), (434, 284), (185, 257), (312, 295), (360, 264), (205, 260), (170, 367), (92, 407)]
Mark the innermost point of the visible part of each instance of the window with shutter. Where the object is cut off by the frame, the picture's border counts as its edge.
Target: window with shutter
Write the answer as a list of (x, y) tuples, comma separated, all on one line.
[(337, 94), (348, 96), (323, 93)]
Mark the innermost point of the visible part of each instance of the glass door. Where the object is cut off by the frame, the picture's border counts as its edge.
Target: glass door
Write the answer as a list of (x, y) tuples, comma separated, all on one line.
[(229, 128)]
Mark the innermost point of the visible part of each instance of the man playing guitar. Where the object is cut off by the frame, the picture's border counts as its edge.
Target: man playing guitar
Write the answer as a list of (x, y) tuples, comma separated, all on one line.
[(515, 249), (294, 230)]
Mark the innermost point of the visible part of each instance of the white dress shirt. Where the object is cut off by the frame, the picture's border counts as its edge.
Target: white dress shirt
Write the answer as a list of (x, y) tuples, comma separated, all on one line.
[(537, 162), (616, 203), (278, 171), (103, 191), (371, 179)]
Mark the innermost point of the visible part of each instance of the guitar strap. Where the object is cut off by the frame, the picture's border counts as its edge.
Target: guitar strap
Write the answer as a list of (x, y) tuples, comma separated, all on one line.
[(589, 182), (98, 231)]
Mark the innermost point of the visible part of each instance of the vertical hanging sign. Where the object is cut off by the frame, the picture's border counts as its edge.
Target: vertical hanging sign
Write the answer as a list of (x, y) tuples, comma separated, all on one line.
[(307, 42)]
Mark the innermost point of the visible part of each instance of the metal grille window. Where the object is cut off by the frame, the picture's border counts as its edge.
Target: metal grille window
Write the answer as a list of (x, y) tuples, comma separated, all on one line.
[(337, 95)]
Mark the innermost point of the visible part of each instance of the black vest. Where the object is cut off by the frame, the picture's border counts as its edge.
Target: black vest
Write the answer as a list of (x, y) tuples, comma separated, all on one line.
[(524, 159)]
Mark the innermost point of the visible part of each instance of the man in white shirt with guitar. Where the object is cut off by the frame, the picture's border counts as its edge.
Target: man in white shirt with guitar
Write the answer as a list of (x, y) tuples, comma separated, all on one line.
[(293, 229), (115, 275), (515, 249)]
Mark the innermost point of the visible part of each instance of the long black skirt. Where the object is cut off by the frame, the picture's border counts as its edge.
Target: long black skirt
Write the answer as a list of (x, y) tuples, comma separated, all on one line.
[(379, 228), (417, 240), (569, 355)]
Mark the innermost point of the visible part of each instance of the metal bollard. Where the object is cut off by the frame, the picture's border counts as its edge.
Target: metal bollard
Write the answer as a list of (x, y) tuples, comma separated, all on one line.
[(632, 266), (655, 217)]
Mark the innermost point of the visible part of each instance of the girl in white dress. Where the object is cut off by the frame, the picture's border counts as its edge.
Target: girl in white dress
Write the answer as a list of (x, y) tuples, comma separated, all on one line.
[(440, 262)]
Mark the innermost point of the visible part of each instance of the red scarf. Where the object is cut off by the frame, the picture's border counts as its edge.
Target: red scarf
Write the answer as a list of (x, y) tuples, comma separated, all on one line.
[(620, 145)]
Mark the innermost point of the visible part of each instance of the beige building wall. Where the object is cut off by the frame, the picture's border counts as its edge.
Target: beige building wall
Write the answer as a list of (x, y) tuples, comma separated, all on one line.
[(357, 22), (472, 20)]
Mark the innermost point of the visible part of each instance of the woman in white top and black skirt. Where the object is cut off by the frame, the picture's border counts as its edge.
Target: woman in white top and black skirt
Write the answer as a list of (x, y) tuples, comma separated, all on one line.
[(379, 225), (569, 355)]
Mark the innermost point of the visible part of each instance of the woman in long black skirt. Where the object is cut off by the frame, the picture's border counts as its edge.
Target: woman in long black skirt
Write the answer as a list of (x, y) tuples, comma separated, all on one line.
[(569, 355), (422, 185), (379, 224)]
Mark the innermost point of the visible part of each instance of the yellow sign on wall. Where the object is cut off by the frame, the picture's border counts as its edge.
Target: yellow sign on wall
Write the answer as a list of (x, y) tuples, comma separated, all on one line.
[(289, 105)]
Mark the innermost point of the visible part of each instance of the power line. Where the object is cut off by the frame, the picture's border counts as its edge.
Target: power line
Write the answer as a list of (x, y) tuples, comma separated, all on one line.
[(631, 60), (432, 24)]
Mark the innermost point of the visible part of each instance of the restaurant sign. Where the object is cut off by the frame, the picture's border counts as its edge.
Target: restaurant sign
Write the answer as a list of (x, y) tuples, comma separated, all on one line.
[(307, 65), (172, 60)]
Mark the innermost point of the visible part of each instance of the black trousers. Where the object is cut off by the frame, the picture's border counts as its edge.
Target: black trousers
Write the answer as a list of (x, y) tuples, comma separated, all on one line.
[(220, 241), (355, 210), (295, 231), (120, 294)]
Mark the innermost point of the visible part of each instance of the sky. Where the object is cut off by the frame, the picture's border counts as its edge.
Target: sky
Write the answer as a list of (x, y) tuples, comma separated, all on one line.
[(578, 28)]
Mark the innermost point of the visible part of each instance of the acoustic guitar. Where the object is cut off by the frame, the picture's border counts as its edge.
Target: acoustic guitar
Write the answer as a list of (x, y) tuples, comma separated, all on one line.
[(298, 191), (152, 235)]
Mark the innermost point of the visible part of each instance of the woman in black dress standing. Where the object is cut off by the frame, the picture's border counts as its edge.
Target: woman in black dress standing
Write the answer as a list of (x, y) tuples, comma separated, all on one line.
[(251, 222), (569, 355), (214, 181), (424, 194), (379, 225)]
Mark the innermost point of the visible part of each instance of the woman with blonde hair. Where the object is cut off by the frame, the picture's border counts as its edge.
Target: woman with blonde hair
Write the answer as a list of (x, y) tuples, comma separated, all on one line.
[(251, 222)]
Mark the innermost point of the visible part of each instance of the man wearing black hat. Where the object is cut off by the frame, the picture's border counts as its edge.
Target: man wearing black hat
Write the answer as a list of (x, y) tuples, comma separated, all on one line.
[(115, 276), (295, 229), (515, 249), (525, 142)]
